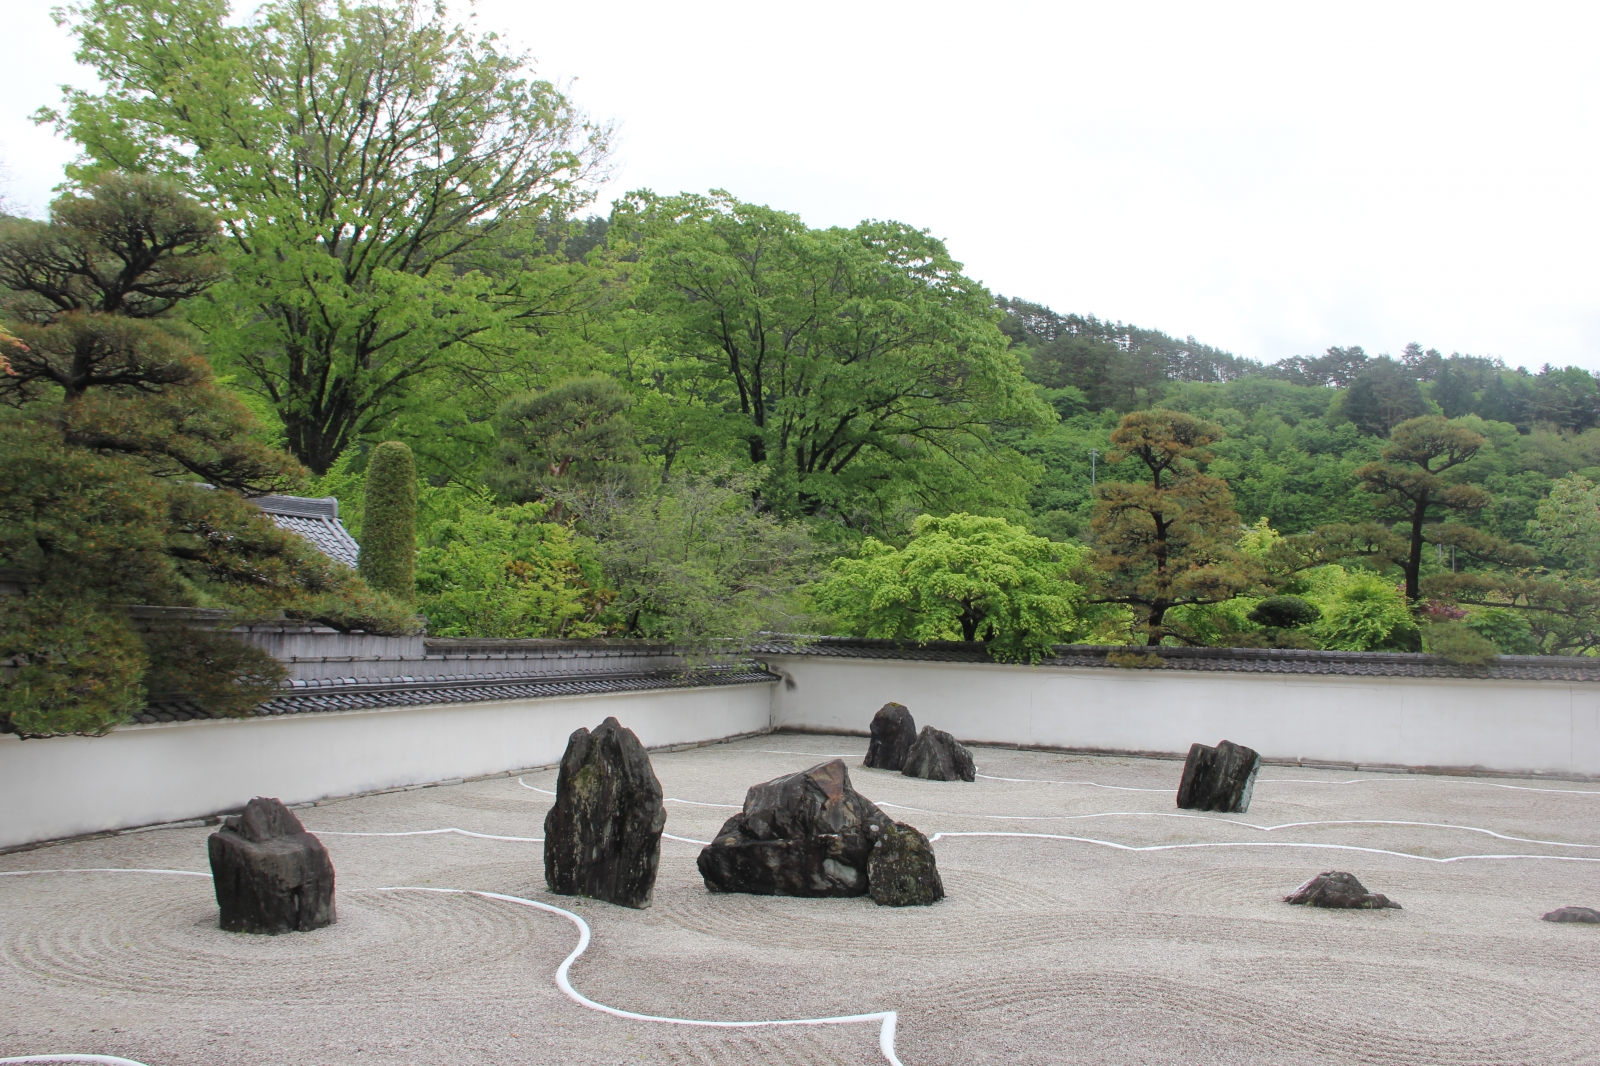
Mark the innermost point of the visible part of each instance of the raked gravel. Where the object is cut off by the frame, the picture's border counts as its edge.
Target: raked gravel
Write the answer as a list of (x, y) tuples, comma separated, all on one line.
[(1044, 951)]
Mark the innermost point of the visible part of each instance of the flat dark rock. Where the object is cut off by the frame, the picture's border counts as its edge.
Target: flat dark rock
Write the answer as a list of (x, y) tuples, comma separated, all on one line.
[(1219, 778), (938, 756), (893, 733), (1587, 915), (270, 875), (901, 871), (1342, 890), (804, 834), (602, 838)]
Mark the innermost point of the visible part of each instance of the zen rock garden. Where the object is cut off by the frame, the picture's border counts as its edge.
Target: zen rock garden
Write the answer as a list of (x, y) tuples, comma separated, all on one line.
[(270, 875), (987, 893)]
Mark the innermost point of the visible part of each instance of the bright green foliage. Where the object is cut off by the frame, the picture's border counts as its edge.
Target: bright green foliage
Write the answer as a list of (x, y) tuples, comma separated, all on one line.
[(961, 577), (1567, 524), (389, 525), (860, 369), (506, 572), (1362, 612), (358, 151), (565, 438), (695, 562)]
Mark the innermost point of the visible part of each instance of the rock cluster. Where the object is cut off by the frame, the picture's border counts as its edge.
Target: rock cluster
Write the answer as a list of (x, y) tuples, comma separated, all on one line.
[(812, 834), (1336, 889), (938, 756), (1587, 915), (270, 875), (1219, 778), (602, 838), (893, 733)]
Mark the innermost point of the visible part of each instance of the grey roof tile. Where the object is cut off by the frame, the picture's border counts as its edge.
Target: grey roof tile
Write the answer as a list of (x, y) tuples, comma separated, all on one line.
[(1232, 660), (353, 694), (315, 520)]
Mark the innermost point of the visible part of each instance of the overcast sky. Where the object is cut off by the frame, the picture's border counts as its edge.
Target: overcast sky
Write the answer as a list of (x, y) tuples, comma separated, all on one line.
[(1271, 178)]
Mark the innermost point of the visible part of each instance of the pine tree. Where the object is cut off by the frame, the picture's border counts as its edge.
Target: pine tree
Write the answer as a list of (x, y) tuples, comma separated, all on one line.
[(389, 527), (1168, 541)]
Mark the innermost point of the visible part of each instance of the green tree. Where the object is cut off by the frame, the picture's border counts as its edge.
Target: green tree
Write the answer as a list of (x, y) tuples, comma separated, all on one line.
[(507, 572), (1362, 612), (573, 434), (358, 152), (1410, 481), (854, 363), (1169, 540), (961, 577), (1382, 396), (694, 561), (389, 522)]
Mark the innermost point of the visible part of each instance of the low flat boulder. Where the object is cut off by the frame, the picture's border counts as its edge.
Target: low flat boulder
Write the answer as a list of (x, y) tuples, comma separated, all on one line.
[(901, 871), (804, 834), (1587, 915), (1219, 778), (270, 875), (1342, 890), (938, 756), (893, 733), (602, 839)]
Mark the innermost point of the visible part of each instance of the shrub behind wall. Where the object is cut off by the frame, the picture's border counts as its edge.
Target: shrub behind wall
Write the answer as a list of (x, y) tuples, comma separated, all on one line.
[(389, 528)]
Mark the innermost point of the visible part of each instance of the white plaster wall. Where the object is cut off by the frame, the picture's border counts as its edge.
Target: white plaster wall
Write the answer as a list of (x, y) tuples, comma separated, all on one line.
[(142, 775), (1547, 727)]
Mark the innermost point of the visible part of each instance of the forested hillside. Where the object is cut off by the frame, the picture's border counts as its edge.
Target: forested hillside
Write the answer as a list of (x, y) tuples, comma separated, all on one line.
[(293, 239)]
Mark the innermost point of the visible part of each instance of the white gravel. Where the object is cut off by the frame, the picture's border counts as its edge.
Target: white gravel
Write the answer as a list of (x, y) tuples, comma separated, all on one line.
[(1045, 951)]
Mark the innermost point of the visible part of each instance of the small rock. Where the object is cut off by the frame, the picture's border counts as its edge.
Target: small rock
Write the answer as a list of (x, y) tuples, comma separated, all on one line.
[(804, 834), (1587, 915), (938, 756), (1219, 778), (602, 838), (270, 875), (1335, 889), (893, 733), (901, 871)]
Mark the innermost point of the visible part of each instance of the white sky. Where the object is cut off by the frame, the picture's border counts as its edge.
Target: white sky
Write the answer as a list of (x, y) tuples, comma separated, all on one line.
[(1271, 178)]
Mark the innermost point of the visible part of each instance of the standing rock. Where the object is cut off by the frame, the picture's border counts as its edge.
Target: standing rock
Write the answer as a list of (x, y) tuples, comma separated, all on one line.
[(893, 733), (1587, 915), (270, 875), (1335, 889), (603, 836), (1219, 778), (901, 871), (805, 834), (938, 756)]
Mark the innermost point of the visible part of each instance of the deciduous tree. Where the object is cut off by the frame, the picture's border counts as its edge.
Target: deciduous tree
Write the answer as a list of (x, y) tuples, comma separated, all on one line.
[(961, 577), (358, 151), (855, 362)]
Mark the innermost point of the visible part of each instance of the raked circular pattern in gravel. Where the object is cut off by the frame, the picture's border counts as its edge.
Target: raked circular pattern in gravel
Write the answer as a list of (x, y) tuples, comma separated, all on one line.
[(1045, 951)]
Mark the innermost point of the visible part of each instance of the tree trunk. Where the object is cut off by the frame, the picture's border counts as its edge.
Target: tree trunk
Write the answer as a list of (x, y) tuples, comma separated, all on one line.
[(1157, 613), (1413, 565)]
